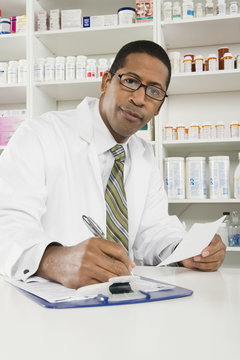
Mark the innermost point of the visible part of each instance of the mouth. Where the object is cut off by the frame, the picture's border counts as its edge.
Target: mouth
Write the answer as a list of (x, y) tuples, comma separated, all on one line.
[(131, 114)]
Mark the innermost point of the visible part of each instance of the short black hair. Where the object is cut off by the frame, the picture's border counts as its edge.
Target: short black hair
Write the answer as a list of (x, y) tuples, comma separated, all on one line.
[(141, 46)]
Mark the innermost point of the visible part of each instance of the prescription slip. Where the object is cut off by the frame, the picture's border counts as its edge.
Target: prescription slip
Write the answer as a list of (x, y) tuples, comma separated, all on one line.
[(194, 241)]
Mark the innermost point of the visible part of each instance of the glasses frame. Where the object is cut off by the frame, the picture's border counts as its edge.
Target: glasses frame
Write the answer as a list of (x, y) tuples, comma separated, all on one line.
[(140, 85)]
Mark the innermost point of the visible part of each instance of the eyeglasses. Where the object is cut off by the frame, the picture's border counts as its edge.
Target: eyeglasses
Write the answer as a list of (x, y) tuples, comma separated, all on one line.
[(134, 84)]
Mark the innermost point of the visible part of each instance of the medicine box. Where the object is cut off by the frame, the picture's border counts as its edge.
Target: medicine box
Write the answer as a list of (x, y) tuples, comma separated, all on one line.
[(71, 18), (110, 20), (144, 10), (55, 19), (97, 21), (21, 24)]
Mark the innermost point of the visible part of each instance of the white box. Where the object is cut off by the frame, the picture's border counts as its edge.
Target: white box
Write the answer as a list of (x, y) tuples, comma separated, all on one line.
[(97, 21), (71, 18), (110, 20)]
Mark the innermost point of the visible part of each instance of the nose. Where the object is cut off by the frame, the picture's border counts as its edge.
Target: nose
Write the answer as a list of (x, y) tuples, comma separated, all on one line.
[(138, 96)]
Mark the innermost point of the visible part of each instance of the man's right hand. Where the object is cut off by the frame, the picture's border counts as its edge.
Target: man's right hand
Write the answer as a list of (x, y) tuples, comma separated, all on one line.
[(93, 261)]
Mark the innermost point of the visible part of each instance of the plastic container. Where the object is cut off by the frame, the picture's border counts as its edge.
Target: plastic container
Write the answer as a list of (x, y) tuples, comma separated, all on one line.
[(209, 10), (221, 7), (174, 177), (187, 9), (168, 132), (221, 52), (196, 178), (126, 15), (194, 131), (228, 61), (234, 129), (176, 11), (199, 10), (39, 69), (91, 69), (22, 71), (238, 61), (206, 131), (236, 180), (175, 60), (102, 66), (3, 72), (212, 62), (50, 69), (198, 63), (167, 11), (70, 68), (81, 67), (187, 64), (60, 68), (5, 26), (234, 229), (223, 229), (12, 72), (180, 132), (233, 8), (219, 177), (220, 130)]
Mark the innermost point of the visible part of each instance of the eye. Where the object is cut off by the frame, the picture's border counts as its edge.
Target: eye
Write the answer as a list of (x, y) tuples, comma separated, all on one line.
[(129, 81), (154, 91)]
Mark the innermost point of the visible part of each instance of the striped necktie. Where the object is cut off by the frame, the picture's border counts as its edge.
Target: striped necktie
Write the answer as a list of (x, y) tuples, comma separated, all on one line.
[(116, 203)]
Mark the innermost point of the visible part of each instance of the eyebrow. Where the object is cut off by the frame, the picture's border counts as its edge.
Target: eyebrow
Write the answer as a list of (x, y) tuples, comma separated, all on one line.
[(152, 83)]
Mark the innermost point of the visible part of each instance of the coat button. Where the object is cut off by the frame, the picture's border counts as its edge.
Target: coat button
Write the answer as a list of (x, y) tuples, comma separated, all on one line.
[(26, 271)]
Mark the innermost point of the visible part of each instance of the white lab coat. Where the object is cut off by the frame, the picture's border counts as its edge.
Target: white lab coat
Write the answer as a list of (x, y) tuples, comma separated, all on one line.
[(50, 177)]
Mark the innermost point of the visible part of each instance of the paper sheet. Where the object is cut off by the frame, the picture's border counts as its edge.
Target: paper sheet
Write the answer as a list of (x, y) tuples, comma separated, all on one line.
[(194, 241)]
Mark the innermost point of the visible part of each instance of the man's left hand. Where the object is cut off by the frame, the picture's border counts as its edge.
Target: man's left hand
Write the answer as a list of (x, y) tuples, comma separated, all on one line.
[(210, 258)]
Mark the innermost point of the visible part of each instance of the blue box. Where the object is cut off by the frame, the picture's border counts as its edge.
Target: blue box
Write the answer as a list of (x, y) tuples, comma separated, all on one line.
[(86, 21)]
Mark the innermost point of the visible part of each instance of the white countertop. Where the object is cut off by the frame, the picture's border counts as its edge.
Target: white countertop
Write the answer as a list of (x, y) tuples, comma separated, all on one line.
[(203, 326)]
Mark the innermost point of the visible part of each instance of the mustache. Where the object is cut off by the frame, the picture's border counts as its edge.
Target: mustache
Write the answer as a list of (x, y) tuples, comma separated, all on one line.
[(133, 110)]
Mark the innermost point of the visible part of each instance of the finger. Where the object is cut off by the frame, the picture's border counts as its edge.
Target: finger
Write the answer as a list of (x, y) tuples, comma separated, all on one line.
[(215, 245), (219, 255), (209, 266), (116, 251)]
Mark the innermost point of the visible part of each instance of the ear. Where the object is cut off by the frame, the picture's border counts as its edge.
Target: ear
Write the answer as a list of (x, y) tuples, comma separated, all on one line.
[(105, 81)]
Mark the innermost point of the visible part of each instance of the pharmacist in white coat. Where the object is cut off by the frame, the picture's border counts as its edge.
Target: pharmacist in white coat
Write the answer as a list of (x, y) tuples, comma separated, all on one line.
[(56, 167)]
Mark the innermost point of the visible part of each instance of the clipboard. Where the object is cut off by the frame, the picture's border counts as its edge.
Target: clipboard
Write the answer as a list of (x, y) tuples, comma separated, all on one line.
[(135, 297)]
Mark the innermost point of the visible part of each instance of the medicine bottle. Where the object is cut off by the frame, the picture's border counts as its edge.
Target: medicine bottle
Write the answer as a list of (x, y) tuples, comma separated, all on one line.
[(234, 229), (175, 177), (22, 71), (102, 66), (50, 69), (187, 9), (228, 61), (81, 67), (60, 68), (175, 60), (70, 68), (3, 72), (198, 63), (167, 11), (91, 69), (236, 180), (199, 10), (221, 7), (168, 132), (180, 132), (223, 229), (12, 72), (219, 177), (194, 131), (39, 69), (212, 62), (233, 8), (220, 130), (206, 131), (196, 178), (176, 11), (234, 129), (237, 61), (187, 64), (209, 10), (5, 26)]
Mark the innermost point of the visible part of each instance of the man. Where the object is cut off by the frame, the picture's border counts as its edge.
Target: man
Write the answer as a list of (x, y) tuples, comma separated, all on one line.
[(57, 169)]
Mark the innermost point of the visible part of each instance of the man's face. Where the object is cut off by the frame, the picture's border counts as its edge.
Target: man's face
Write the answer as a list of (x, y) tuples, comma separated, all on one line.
[(124, 111)]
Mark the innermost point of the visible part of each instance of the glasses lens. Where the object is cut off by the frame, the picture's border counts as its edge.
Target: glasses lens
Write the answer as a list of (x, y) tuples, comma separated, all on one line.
[(155, 93), (130, 82)]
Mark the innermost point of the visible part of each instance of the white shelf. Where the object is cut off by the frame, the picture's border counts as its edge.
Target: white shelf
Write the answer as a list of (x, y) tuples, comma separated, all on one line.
[(205, 201), (216, 30), (84, 41), (13, 46), (11, 94), (233, 248), (185, 146), (205, 82), (70, 90)]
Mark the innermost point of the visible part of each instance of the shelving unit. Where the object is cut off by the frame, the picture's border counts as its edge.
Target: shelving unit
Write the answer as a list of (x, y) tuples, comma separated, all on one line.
[(201, 97), (195, 97)]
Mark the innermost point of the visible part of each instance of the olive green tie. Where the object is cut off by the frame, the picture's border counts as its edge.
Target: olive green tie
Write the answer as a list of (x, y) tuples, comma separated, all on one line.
[(116, 202)]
